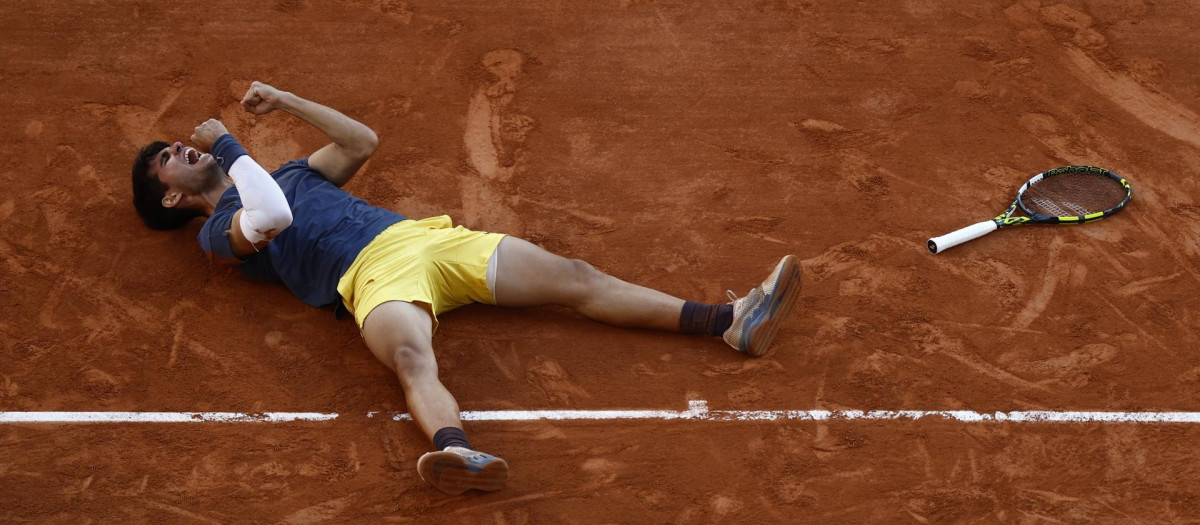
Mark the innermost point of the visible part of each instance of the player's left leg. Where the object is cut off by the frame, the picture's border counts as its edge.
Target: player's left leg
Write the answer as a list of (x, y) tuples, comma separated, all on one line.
[(527, 275)]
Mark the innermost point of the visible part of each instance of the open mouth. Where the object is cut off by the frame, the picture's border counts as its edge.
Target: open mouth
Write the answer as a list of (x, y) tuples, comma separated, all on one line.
[(191, 156)]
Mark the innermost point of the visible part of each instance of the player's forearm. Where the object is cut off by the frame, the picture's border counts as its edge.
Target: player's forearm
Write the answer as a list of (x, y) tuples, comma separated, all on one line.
[(265, 209), (352, 135)]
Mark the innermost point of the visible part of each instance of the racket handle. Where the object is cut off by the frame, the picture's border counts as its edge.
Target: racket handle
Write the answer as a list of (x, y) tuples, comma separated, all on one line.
[(955, 238)]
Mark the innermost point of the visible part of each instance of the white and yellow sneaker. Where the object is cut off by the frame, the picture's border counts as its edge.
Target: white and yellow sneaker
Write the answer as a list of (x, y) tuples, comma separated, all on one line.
[(457, 470), (756, 317)]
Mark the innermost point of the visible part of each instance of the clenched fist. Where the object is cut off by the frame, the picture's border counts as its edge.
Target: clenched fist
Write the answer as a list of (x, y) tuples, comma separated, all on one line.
[(261, 98), (208, 133)]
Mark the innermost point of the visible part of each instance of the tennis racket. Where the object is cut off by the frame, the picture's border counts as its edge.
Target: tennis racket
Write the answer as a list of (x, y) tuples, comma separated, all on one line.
[(1067, 195)]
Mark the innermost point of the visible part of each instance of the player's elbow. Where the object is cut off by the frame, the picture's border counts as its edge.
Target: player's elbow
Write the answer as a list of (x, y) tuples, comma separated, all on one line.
[(361, 144), (368, 143), (274, 223), (284, 219), (260, 225)]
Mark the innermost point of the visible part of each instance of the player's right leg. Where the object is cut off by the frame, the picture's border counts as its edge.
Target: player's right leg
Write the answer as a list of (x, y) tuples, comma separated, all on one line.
[(400, 334)]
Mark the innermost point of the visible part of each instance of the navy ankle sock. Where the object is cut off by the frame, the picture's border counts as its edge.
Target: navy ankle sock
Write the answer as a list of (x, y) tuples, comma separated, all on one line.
[(709, 319), (450, 437)]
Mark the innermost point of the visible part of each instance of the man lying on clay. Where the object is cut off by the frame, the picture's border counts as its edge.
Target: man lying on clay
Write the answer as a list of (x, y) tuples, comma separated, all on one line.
[(396, 275)]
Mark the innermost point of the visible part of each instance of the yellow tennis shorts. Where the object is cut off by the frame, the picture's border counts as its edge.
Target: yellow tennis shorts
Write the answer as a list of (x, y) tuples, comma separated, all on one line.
[(429, 262)]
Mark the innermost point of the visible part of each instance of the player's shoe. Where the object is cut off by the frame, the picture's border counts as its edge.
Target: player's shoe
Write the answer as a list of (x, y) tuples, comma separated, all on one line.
[(756, 317), (457, 470)]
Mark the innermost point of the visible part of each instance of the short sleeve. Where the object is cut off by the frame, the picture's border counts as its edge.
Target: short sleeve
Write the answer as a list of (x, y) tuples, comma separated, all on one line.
[(214, 235), (291, 166)]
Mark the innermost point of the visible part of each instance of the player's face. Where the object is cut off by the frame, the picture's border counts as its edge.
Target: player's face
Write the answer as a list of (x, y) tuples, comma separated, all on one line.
[(184, 168)]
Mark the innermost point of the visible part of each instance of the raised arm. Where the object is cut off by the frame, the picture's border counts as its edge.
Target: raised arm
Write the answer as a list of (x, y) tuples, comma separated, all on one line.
[(265, 211), (353, 142)]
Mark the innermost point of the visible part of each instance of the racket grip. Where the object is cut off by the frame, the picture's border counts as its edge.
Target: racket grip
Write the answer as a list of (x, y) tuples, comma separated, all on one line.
[(955, 238)]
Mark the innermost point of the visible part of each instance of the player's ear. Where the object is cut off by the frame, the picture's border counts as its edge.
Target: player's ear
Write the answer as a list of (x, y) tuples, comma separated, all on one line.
[(171, 199)]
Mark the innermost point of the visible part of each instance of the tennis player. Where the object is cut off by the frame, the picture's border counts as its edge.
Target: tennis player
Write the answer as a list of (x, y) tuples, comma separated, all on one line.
[(396, 275)]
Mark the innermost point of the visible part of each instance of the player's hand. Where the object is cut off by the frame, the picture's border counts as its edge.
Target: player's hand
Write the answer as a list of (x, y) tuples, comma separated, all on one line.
[(261, 98), (208, 133)]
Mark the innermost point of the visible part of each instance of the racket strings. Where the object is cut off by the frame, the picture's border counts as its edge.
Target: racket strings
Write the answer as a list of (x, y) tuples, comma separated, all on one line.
[(1073, 194)]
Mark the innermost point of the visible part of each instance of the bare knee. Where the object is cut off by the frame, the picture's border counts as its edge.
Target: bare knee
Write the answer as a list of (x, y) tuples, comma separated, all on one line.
[(584, 281), (413, 363)]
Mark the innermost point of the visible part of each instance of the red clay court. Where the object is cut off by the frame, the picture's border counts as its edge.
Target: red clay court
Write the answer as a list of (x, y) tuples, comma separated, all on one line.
[(686, 146)]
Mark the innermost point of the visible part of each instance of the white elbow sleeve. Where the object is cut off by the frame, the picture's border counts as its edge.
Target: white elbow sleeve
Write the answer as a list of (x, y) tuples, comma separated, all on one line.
[(265, 210)]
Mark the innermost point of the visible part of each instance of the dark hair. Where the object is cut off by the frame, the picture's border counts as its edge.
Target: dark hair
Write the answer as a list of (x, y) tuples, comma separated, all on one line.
[(148, 193)]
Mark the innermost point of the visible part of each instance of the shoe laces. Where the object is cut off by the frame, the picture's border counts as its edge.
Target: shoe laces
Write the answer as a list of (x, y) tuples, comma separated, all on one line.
[(732, 296), (466, 453)]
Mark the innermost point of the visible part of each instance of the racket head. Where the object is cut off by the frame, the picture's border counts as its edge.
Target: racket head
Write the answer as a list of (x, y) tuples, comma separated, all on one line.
[(1073, 195)]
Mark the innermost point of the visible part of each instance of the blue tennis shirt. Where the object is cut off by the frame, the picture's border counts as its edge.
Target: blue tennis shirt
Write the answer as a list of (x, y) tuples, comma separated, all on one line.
[(329, 228)]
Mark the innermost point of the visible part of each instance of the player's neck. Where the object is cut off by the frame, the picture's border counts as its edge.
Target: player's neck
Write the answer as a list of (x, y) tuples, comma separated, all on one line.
[(214, 194)]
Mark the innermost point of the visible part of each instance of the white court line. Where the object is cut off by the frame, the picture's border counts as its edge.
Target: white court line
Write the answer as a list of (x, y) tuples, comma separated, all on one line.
[(697, 411), (161, 417)]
